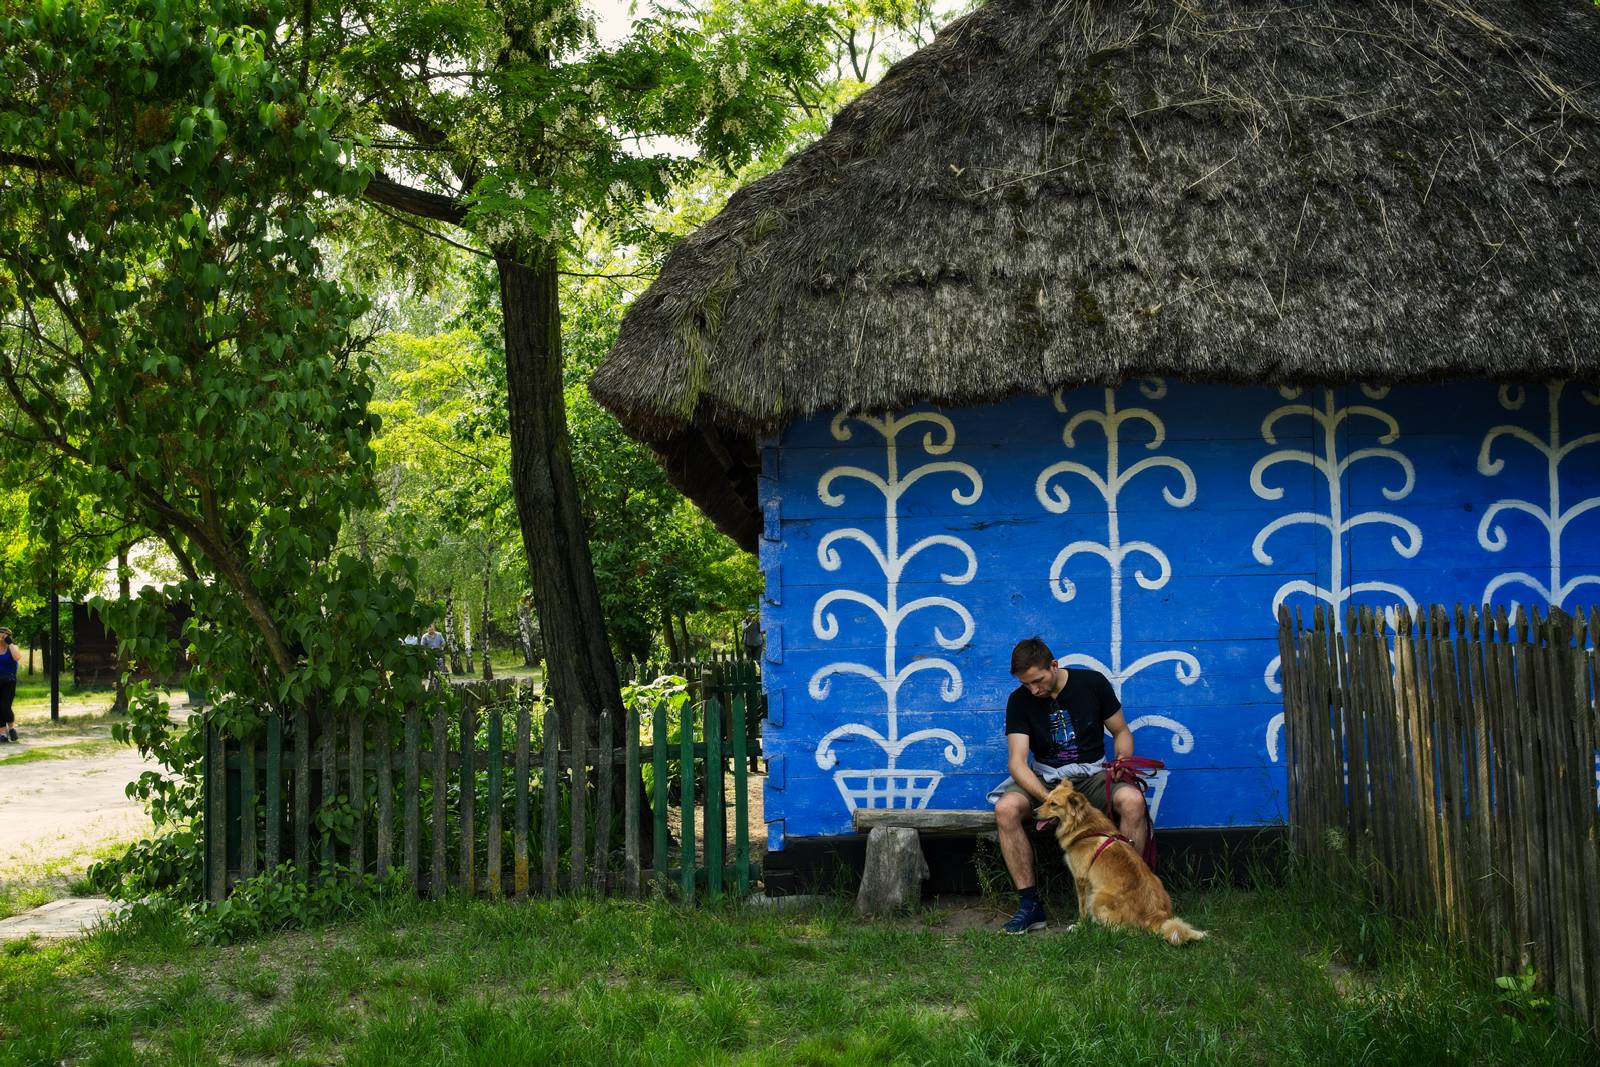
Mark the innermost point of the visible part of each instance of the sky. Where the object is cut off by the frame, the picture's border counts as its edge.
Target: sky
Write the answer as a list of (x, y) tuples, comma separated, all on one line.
[(611, 19)]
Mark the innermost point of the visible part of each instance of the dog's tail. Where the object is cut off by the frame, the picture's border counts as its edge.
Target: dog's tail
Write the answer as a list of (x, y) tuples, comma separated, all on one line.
[(1176, 931)]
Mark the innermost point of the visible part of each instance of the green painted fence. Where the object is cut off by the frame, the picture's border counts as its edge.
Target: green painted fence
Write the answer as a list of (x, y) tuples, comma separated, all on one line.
[(491, 791)]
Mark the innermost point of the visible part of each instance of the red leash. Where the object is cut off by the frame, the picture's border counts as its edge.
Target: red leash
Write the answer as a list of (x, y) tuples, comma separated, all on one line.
[(1135, 771)]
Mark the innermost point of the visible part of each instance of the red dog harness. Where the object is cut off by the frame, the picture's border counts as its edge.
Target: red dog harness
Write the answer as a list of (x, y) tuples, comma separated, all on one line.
[(1105, 845)]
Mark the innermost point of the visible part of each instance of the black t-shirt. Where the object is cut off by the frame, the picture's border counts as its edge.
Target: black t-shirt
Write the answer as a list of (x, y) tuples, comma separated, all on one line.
[(1066, 728)]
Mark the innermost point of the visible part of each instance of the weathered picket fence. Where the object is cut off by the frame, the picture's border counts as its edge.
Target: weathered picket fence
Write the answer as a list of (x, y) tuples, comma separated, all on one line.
[(723, 676), (495, 795), (1451, 760)]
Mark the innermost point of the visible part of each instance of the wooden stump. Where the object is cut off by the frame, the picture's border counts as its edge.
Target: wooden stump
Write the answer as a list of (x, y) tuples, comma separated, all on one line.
[(895, 869)]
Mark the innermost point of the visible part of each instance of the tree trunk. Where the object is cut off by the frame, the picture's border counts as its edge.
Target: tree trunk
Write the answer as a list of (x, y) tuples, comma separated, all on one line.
[(466, 634), (488, 670), (673, 653), (452, 648), (119, 706), (580, 671), (683, 638), (578, 654)]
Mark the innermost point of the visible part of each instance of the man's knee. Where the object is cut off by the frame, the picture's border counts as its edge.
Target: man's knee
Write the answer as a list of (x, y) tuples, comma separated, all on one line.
[(1010, 810), (1129, 802)]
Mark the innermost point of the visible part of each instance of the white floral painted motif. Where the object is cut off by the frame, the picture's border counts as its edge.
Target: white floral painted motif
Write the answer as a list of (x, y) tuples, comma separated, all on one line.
[(1407, 541), (1555, 518), (1116, 551), (894, 786)]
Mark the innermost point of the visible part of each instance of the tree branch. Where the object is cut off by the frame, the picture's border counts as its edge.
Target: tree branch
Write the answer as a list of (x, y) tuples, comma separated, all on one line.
[(382, 189), (33, 163), (402, 220)]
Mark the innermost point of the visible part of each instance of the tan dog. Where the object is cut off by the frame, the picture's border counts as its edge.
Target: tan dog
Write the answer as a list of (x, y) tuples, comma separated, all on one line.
[(1114, 885)]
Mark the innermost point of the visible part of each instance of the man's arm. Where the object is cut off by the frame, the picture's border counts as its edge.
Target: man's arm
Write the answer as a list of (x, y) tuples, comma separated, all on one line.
[(1017, 766), (1121, 736)]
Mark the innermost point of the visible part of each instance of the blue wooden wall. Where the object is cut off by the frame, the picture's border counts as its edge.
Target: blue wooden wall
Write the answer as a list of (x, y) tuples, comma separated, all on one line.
[(1149, 531)]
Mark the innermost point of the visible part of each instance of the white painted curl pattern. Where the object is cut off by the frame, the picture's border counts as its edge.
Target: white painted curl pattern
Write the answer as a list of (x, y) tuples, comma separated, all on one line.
[(1180, 493), (893, 786), (1552, 516), (1329, 417)]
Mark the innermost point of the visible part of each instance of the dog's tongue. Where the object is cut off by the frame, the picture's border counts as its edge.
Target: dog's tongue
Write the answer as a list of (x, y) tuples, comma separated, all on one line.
[(1045, 824)]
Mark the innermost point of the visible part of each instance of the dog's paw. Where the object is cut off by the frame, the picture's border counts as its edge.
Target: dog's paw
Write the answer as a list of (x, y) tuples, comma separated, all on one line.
[(1072, 927)]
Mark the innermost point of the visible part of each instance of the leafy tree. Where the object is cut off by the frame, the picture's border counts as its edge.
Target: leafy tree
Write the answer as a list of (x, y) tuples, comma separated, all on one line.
[(506, 123), (443, 462), (171, 339)]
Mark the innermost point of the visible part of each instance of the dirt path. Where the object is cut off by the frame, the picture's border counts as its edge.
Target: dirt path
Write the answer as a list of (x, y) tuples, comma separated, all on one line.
[(61, 813), (57, 810)]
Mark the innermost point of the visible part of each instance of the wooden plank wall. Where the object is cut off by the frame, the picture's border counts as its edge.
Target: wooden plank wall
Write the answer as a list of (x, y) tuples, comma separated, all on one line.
[(1449, 761), (493, 793), (1148, 532)]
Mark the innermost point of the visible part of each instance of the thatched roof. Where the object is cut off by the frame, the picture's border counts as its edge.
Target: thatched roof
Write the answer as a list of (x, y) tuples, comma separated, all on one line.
[(1088, 190)]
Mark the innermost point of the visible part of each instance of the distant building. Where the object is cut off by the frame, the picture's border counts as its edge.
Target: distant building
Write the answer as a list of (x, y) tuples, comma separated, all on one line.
[(94, 649)]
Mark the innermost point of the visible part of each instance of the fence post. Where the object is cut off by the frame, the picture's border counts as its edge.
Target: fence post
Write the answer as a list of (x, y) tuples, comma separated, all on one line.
[(247, 808), (519, 832), (439, 875), (605, 772), (658, 805), (302, 792), (385, 786), (469, 792), (216, 815), (411, 801), (492, 843), (741, 818), (579, 815), (330, 789), (358, 798), (630, 800), (550, 738), (686, 797), (274, 802), (716, 828)]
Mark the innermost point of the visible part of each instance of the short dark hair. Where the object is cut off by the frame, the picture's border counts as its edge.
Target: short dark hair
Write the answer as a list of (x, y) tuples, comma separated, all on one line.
[(1031, 652)]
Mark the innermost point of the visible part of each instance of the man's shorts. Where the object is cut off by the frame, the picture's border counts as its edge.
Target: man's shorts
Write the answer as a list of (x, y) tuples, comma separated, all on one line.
[(1092, 786)]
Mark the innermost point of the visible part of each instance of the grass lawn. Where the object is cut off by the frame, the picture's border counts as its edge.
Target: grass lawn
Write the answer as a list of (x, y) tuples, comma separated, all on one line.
[(87, 749), (35, 689), (587, 982)]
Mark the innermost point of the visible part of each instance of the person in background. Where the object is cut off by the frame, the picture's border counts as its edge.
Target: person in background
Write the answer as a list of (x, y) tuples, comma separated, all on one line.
[(433, 641), (10, 656)]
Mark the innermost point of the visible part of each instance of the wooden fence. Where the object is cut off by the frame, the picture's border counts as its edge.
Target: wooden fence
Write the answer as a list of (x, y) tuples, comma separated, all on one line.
[(725, 677), (499, 796), (1452, 758)]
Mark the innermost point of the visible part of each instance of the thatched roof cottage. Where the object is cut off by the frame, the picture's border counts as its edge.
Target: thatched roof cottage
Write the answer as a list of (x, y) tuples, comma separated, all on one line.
[(1123, 322)]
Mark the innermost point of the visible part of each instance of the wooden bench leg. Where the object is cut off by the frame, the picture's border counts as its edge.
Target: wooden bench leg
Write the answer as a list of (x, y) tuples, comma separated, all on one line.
[(895, 870)]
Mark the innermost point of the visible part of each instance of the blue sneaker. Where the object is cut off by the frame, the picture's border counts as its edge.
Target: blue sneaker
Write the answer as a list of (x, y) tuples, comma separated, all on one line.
[(1026, 921)]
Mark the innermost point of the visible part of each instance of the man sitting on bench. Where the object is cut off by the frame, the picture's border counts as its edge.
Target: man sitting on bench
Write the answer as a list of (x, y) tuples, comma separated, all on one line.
[(1058, 717)]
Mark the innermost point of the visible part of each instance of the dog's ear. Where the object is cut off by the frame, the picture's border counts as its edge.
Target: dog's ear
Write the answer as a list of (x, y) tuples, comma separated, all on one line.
[(1077, 801)]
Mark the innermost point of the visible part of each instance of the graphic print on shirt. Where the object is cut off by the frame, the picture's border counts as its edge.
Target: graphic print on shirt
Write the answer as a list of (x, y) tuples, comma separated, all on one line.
[(1064, 736)]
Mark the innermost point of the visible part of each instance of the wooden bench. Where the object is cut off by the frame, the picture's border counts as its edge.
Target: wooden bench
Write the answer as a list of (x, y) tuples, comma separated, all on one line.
[(892, 877), (955, 820)]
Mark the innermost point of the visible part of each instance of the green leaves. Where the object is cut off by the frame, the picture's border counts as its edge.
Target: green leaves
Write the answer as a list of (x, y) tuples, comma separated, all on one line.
[(183, 351)]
